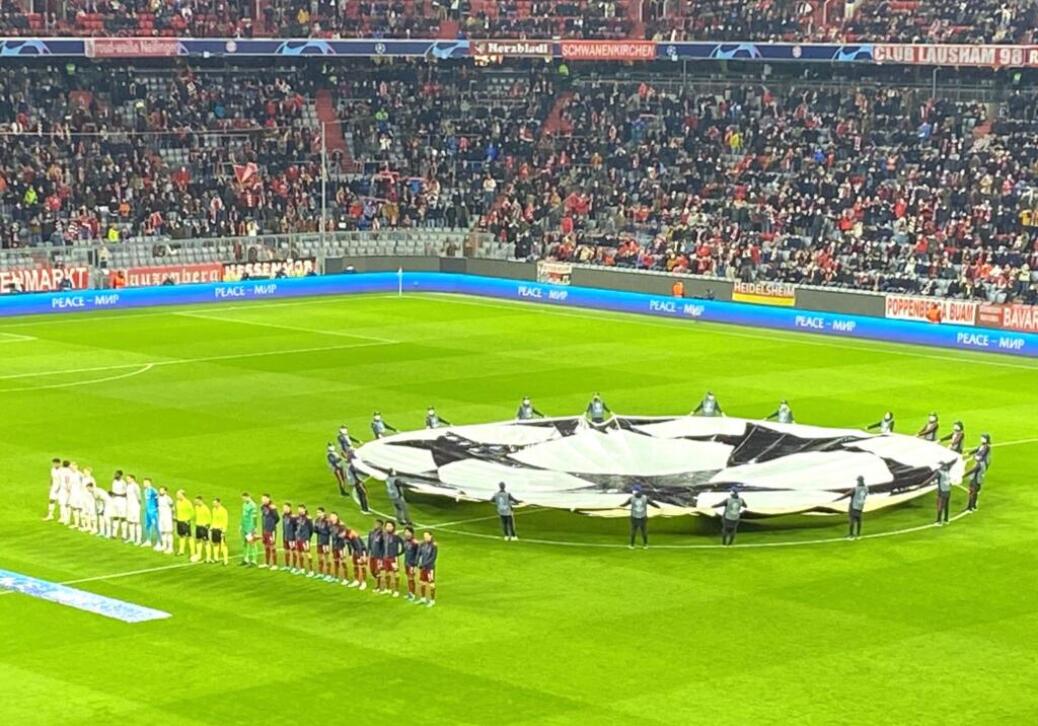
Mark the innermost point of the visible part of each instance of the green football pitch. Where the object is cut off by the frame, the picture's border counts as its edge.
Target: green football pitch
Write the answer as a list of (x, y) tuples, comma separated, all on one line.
[(910, 624)]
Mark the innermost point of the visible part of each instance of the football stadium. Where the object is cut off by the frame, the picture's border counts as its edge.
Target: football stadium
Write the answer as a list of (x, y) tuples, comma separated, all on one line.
[(518, 362)]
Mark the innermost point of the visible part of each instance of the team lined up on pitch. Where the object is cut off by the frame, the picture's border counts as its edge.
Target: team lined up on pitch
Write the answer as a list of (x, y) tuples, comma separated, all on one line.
[(146, 516)]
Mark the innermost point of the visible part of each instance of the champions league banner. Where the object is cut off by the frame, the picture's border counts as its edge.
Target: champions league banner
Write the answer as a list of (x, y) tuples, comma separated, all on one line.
[(922, 54), (840, 325), (686, 464)]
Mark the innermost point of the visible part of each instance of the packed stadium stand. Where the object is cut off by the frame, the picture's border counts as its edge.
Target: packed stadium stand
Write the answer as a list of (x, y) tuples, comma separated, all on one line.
[(864, 185), (910, 21)]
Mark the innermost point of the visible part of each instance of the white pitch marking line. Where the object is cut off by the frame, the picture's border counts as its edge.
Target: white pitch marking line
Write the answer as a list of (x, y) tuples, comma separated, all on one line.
[(16, 338), (293, 328), (142, 369), (1016, 443), (749, 545), (801, 338), (131, 573), (440, 525), (181, 361)]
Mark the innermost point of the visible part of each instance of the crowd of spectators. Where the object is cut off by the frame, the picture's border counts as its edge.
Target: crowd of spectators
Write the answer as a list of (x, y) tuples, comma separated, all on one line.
[(436, 146), (944, 21), (872, 187), (103, 152), (907, 21), (735, 20), (869, 186), (148, 18), (109, 152), (601, 19)]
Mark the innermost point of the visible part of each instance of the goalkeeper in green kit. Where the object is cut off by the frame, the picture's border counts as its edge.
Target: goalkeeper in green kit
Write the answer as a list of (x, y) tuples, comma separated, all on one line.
[(248, 531)]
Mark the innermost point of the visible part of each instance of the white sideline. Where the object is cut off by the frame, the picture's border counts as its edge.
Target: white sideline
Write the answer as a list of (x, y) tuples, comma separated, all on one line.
[(182, 361), (793, 336)]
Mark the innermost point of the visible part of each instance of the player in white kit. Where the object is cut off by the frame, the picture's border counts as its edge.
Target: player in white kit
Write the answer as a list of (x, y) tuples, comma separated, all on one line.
[(64, 494), (102, 510), (165, 523), (118, 503), (133, 510), (77, 497), (55, 488), (90, 504)]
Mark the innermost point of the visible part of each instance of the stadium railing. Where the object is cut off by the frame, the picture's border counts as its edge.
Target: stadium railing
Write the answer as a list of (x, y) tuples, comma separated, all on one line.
[(97, 264)]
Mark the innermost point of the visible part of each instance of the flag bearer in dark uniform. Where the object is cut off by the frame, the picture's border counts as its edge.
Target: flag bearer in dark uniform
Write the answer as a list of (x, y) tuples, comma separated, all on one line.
[(733, 507), (944, 487), (929, 430), (597, 409), (379, 427), (981, 461), (857, 506), (639, 503), (956, 438)]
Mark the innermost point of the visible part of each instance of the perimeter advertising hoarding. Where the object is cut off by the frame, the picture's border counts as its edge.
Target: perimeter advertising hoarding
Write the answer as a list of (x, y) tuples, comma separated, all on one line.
[(765, 293), (824, 324), (43, 279), (931, 309), (1009, 317)]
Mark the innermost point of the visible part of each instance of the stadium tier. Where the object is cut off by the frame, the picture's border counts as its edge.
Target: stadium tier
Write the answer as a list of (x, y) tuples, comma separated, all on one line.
[(909, 21), (853, 185)]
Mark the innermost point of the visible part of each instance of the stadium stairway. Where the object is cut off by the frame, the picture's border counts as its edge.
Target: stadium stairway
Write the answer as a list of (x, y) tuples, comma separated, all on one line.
[(324, 105), (556, 122), (634, 14)]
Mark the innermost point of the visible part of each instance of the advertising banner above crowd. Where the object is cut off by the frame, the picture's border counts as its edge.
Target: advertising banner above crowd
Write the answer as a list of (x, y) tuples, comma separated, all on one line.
[(931, 309), (555, 272), (922, 54), (513, 48), (268, 269), (765, 293), (174, 274), (1023, 318), (44, 279), (608, 50)]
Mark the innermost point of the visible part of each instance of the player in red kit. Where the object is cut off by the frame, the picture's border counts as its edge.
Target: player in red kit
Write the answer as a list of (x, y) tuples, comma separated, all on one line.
[(288, 536), (392, 547), (410, 560), (358, 552), (338, 534), (270, 519)]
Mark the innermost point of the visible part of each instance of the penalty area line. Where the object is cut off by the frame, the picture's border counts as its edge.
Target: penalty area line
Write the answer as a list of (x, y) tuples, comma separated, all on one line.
[(142, 369), (16, 338), (182, 361)]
